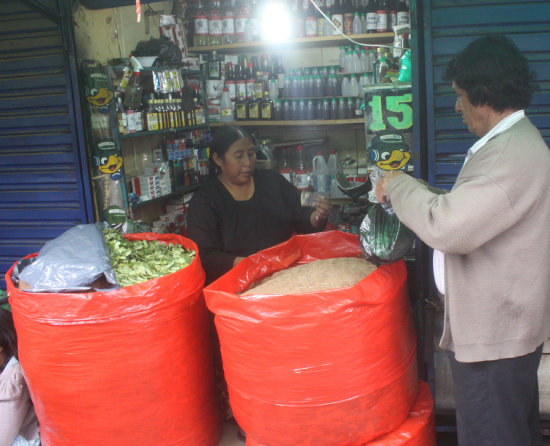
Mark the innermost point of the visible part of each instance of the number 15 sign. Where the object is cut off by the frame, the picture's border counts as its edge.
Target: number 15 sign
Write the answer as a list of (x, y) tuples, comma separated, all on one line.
[(388, 107)]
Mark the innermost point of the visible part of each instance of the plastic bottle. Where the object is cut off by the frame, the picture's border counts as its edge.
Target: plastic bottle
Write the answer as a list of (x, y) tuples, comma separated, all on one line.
[(356, 62), (345, 86), (241, 17), (357, 23), (333, 167), (226, 107), (364, 60), (320, 175), (353, 87)]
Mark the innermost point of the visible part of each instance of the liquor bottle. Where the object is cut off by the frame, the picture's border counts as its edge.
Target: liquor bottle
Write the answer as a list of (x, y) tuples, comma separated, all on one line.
[(230, 81), (241, 17), (347, 8), (226, 107), (241, 108), (402, 13), (267, 108), (337, 18), (284, 166), (371, 16), (382, 16), (392, 14), (328, 29), (253, 108), (320, 19), (228, 23), (200, 21), (310, 19), (215, 23), (254, 17), (249, 80), (302, 172)]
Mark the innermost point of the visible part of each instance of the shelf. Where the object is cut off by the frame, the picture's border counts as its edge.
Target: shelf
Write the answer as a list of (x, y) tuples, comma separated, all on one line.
[(181, 191), (305, 42), (290, 123), (160, 132)]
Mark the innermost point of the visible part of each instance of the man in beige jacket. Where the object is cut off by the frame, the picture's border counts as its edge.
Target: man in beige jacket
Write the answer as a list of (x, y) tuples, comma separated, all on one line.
[(491, 247)]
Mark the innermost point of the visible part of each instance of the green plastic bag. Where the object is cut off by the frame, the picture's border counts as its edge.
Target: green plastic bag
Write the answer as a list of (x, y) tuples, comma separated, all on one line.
[(382, 236)]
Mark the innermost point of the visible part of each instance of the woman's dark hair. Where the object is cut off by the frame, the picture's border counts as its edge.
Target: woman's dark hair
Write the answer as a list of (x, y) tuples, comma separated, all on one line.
[(493, 72), (8, 337), (222, 140)]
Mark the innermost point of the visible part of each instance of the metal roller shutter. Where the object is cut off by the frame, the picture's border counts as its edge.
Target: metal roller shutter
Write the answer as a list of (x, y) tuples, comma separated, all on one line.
[(43, 170)]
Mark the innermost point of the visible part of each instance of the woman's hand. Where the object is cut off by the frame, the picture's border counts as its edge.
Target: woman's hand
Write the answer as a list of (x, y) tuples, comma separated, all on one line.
[(320, 214), (382, 184)]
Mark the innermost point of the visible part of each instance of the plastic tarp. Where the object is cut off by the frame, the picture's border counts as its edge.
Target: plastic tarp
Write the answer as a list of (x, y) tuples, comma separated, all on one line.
[(127, 367), (334, 367)]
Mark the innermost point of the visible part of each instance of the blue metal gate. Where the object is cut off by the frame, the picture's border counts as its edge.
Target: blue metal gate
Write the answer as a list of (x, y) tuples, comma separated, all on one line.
[(44, 183)]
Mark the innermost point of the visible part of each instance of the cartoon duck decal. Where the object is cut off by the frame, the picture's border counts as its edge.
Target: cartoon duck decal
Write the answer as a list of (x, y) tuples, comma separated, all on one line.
[(389, 151), (110, 164), (100, 98)]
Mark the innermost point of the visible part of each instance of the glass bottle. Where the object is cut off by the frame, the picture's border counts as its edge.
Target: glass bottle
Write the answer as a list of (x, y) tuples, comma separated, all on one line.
[(215, 23), (371, 16), (200, 38), (241, 17), (266, 108), (228, 22), (241, 108), (253, 108), (382, 16)]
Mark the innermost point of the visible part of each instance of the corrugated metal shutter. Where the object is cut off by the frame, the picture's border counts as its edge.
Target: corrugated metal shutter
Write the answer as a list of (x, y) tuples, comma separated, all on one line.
[(449, 27), (43, 171)]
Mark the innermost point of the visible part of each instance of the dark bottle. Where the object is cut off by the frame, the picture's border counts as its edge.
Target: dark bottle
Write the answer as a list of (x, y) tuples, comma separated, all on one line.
[(241, 108), (254, 108), (287, 112), (392, 14), (347, 8), (302, 113), (402, 12), (310, 110), (294, 114), (278, 110), (333, 108), (371, 16), (338, 17), (267, 108), (325, 109), (341, 108), (382, 16)]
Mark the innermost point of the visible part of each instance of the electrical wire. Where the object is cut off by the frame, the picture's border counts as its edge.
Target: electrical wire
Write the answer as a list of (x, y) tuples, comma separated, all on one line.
[(345, 35)]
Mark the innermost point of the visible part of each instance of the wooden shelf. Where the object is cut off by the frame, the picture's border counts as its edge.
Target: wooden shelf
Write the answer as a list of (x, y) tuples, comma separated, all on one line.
[(306, 42), (319, 122), (163, 131), (177, 192)]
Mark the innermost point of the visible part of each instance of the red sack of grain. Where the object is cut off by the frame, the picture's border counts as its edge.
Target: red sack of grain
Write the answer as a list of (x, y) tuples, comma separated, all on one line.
[(126, 367), (332, 367)]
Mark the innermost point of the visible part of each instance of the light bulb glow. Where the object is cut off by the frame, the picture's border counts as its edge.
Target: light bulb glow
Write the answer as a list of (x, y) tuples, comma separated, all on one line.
[(275, 23)]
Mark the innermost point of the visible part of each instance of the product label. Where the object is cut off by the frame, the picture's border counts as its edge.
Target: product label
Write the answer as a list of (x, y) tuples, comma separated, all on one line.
[(201, 26), (249, 88), (152, 121), (301, 179), (240, 25), (232, 89), (287, 173), (381, 21), (240, 86), (254, 111), (240, 111), (266, 111), (228, 26), (215, 26), (371, 21), (348, 23), (338, 21), (311, 27), (227, 112), (320, 26), (259, 89), (402, 18)]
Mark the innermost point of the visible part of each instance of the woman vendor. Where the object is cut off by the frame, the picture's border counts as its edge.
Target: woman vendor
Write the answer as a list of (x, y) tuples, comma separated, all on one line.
[(240, 210)]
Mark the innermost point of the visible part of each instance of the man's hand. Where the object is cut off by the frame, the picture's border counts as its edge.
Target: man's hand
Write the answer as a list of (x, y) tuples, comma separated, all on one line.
[(383, 183)]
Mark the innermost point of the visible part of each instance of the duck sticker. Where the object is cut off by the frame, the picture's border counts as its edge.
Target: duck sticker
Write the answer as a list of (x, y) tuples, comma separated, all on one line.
[(100, 98), (389, 151), (109, 163)]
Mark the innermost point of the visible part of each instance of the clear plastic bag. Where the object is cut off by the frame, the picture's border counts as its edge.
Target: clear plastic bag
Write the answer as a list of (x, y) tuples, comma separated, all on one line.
[(382, 236), (71, 262)]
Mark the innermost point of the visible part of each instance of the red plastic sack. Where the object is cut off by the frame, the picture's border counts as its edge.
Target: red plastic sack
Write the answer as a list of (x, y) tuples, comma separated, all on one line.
[(126, 367), (418, 429), (334, 367)]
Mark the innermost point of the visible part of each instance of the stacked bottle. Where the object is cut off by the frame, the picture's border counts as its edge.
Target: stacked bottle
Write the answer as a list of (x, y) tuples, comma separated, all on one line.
[(240, 21)]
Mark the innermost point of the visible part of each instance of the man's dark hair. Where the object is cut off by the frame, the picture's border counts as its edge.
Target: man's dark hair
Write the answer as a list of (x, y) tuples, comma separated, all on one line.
[(8, 337), (493, 72)]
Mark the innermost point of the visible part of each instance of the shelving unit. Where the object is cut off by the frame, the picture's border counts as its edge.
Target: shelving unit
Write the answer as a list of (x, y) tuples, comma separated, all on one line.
[(302, 123)]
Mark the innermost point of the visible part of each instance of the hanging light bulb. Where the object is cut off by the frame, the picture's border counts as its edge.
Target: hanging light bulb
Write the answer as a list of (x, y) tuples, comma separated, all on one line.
[(275, 23)]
